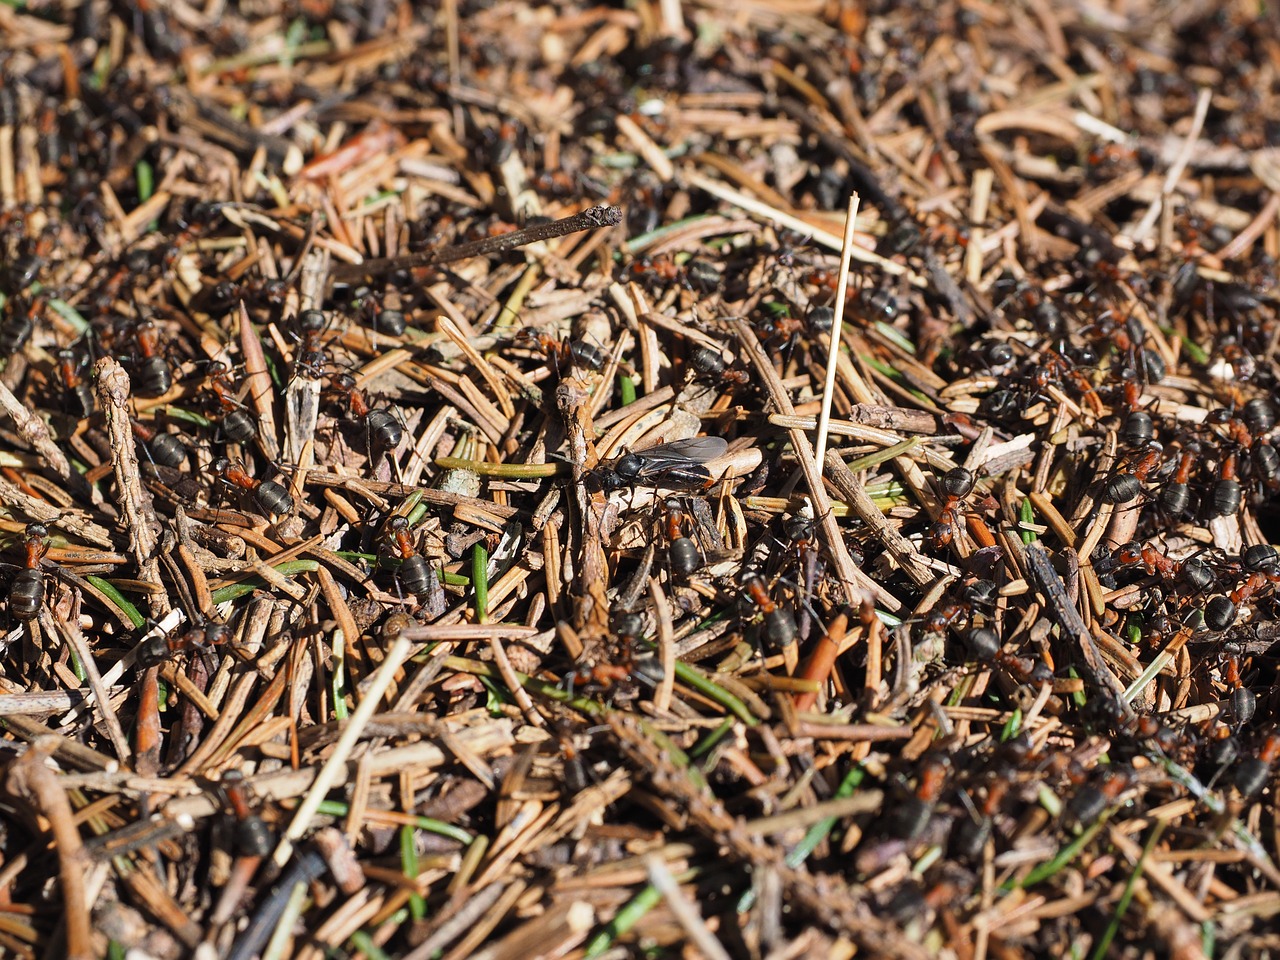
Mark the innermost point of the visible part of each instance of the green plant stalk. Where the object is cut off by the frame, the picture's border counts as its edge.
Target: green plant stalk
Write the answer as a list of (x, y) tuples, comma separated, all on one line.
[(409, 866), (1012, 726), (117, 598), (1104, 944), (1027, 515), (819, 831), (283, 932), (635, 244), (691, 676), (338, 808), (287, 569), (183, 415), (1064, 857), (363, 942), (340, 711), (707, 743), (480, 579), (881, 456), (549, 690), (630, 915), (145, 177)]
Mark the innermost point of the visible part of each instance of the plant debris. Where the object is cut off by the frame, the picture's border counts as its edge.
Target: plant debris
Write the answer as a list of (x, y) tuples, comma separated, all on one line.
[(417, 535)]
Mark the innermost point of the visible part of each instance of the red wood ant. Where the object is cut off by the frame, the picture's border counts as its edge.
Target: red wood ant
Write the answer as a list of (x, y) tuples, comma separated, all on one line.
[(384, 430), (158, 649), (26, 593), (271, 497), (414, 571)]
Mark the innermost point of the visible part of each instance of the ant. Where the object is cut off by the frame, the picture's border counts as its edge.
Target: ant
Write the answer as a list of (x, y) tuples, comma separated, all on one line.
[(1219, 613), (18, 321), (1091, 801), (1138, 429), (375, 314), (576, 777), (680, 463), (710, 363), (414, 572), (976, 593), (153, 377), (1126, 486), (238, 424), (20, 273), (1152, 560), (682, 552), (618, 662), (566, 354), (1243, 702), (1175, 498), (777, 328), (199, 219), (71, 365), (383, 429), (1252, 773), (1055, 368), (312, 358), (1032, 304), (26, 593), (779, 622), (1256, 420), (163, 448), (1025, 670), (1227, 494), (225, 294), (104, 297), (252, 837), (909, 818), (957, 484), (271, 497), (159, 649), (657, 271), (969, 836), (1266, 465)]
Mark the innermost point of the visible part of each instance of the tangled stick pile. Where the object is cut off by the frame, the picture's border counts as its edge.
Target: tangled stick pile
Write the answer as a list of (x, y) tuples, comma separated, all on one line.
[(415, 539)]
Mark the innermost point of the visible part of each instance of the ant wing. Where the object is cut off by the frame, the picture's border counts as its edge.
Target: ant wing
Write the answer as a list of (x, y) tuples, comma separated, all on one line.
[(679, 453)]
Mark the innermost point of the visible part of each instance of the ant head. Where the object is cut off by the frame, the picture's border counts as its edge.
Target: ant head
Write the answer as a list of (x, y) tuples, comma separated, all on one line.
[(312, 321), (153, 651), (397, 523), (220, 465), (628, 624), (345, 382), (37, 531), (527, 337), (215, 632), (201, 214)]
